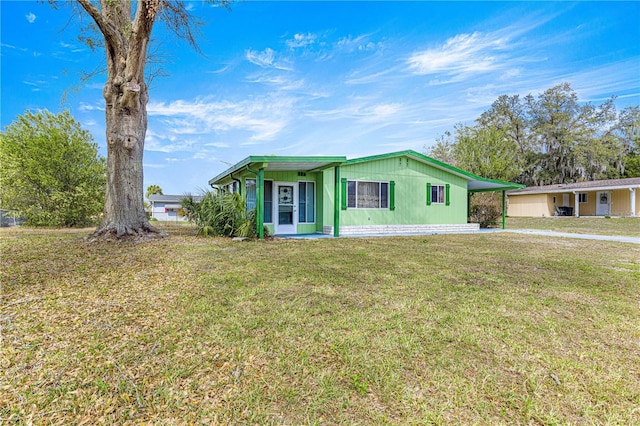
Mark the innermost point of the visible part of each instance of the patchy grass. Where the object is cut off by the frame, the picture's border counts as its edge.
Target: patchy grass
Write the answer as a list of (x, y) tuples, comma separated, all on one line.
[(472, 329), (628, 226)]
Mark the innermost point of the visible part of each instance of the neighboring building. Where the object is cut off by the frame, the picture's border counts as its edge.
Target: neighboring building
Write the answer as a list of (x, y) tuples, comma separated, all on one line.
[(168, 208), (11, 218), (400, 192), (613, 197)]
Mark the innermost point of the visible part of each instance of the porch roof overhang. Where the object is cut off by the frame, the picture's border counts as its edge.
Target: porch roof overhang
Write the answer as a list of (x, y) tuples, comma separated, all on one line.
[(593, 186), (279, 163), (488, 185)]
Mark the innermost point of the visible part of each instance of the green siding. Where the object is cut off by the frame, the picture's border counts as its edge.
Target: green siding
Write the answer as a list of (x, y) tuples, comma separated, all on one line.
[(410, 198), (306, 228), (286, 176), (328, 181), (319, 201)]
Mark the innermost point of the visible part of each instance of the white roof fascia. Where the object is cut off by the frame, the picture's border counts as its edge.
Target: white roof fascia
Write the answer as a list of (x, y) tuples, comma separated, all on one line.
[(573, 190)]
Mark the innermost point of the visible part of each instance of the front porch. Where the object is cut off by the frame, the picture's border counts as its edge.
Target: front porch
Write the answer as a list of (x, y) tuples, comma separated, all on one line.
[(620, 202), (615, 197)]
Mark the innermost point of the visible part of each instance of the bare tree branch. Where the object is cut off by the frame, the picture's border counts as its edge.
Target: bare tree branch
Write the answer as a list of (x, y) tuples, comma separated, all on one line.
[(110, 34)]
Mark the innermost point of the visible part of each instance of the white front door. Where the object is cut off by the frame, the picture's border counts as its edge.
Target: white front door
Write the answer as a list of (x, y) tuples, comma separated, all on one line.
[(565, 200), (286, 220), (603, 203)]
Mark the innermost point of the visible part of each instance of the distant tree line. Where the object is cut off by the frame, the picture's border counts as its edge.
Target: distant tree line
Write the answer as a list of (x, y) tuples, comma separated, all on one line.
[(546, 139)]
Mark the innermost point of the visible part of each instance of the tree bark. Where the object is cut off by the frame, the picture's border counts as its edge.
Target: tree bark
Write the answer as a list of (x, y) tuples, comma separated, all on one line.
[(126, 96), (126, 119)]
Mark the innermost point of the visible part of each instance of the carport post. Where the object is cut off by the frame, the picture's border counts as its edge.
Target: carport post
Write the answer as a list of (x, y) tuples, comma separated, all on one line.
[(336, 202), (259, 200), (504, 209), (260, 203)]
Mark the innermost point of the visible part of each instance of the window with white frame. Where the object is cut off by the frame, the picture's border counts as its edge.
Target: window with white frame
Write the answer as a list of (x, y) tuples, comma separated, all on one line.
[(438, 194), (367, 195), (250, 186), (306, 202), (582, 197), (251, 200), (268, 201)]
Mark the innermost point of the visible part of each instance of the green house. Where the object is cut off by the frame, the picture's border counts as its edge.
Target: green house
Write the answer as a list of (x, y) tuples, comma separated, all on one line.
[(397, 193)]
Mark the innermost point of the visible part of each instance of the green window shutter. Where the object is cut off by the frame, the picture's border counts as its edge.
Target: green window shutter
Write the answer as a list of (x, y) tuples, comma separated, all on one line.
[(446, 194), (428, 194), (392, 195), (343, 194)]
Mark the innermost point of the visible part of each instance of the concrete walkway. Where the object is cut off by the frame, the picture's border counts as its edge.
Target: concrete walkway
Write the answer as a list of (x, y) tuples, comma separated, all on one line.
[(614, 238)]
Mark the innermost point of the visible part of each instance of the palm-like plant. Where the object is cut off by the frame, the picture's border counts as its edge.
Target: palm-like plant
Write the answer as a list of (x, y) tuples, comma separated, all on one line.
[(153, 190), (221, 214)]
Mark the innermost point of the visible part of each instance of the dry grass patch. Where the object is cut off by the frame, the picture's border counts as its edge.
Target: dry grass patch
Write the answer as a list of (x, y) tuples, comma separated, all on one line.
[(497, 328)]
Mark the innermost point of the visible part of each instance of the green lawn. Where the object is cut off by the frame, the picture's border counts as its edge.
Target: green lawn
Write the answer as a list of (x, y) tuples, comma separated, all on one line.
[(447, 329), (629, 226)]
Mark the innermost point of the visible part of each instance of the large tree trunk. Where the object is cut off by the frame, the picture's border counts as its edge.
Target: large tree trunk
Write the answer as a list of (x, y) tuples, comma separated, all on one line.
[(126, 119), (126, 97)]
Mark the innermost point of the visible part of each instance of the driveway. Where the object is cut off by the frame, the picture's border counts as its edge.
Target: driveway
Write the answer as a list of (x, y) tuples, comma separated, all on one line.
[(616, 238)]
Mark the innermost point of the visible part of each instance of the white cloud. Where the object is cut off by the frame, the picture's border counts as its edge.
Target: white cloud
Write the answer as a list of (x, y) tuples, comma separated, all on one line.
[(381, 112), (358, 77), (600, 82), (279, 81), (360, 44), (220, 71), (86, 107), (258, 119), (368, 46), (31, 18), (266, 59), (511, 73), (301, 40), (9, 46), (464, 53), (158, 142), (155, 166), (262, 59), (361, 111), (218, 144), (206, 155)]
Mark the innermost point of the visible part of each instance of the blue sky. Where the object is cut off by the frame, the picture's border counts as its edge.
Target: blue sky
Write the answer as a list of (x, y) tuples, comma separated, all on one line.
[(324, 78)]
